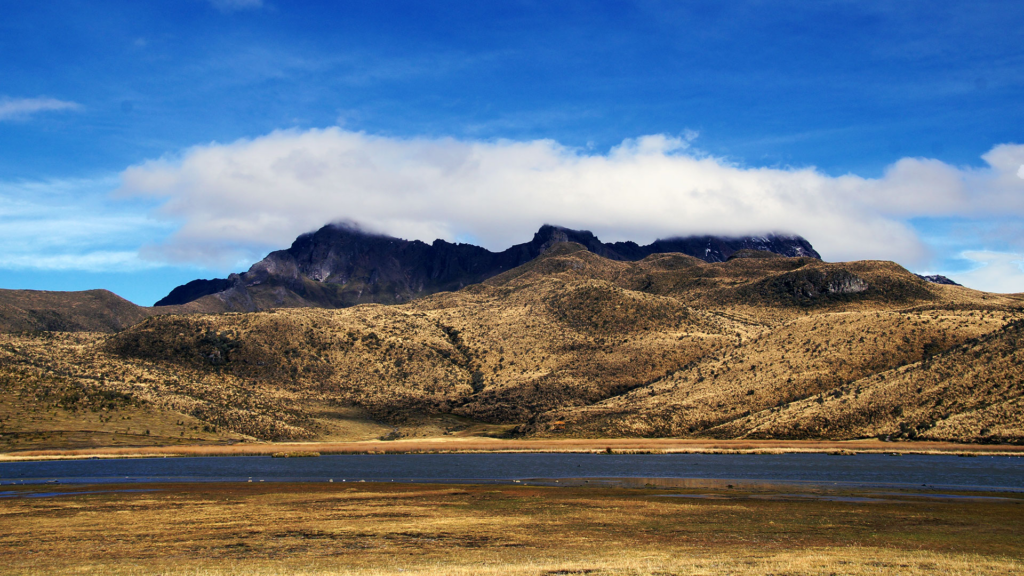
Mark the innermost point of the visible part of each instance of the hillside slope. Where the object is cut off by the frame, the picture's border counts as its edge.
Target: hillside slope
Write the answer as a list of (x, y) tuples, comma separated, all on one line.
[(85, 311), (568, 344), (975, 389), (80, 311)]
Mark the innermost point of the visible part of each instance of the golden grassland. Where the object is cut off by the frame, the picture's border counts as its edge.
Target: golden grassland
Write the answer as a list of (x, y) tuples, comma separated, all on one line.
[(478, 529), (470, 445), (570, 345)]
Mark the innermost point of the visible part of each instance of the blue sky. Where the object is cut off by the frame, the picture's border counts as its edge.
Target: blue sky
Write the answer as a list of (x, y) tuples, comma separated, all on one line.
[(135, 136)]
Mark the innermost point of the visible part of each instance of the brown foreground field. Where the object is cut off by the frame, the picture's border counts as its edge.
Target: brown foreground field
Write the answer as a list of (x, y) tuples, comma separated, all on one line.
[(497, 445), (367, 528)]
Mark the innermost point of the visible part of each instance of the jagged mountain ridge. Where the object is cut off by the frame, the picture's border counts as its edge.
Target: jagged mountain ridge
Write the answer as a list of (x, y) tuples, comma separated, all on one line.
[(339, 266)]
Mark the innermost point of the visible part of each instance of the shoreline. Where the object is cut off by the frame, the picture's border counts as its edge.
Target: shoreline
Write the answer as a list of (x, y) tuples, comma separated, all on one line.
[(483, 445)]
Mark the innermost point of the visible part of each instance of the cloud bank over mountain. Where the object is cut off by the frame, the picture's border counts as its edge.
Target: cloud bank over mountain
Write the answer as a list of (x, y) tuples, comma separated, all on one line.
[(232, 200)]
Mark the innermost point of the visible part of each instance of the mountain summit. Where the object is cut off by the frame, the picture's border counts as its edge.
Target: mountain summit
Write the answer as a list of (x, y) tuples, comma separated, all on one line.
[(340, 265)]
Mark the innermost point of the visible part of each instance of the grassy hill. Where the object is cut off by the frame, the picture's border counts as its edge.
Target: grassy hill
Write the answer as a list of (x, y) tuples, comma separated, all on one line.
[(85, 311), (80, 311), (568, 345)]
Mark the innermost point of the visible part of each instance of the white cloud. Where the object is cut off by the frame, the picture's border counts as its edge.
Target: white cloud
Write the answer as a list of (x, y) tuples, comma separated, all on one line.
[(232, 5), (17, 108), (233, 198), (225, 205), (996, 272)]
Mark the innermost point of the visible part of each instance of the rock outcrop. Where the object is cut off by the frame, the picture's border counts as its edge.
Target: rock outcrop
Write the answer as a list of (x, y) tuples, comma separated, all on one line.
[(938, 279)]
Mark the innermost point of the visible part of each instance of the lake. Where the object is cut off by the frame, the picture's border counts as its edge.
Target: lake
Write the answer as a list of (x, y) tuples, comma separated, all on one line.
[(909, 471)]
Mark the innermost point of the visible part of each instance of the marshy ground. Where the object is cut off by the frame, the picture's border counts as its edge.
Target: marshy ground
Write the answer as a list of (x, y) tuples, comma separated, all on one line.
[(373, 528)]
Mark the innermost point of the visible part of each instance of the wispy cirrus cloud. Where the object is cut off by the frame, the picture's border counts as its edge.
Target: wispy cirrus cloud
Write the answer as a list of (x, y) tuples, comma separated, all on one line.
[(96, 261), (72, 224), (20, 108)]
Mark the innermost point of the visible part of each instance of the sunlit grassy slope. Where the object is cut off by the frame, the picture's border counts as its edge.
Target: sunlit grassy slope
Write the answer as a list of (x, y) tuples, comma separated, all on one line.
[(570, 344)]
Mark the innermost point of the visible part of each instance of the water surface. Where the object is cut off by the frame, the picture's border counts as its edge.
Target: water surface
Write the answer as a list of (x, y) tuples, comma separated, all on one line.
[(916, 471)]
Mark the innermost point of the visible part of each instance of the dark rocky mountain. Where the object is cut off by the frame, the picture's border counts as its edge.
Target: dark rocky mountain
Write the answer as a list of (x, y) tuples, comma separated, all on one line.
[(339, 266), (937, 279), (195, 290)]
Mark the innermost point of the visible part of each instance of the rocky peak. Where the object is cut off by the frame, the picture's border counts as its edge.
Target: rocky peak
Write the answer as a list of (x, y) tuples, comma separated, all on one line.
[(938, 279), (342, 265)]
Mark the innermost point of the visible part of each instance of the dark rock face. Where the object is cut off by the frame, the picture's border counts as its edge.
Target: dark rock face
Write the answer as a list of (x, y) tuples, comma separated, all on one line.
[(193, 291), (710, 248), (937, 279), (339, 266), (809, 286)]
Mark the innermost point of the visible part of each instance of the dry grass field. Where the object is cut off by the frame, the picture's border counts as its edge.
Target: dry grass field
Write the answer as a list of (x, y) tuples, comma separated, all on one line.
[(255, 528), (570, 345), (476, 445)]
